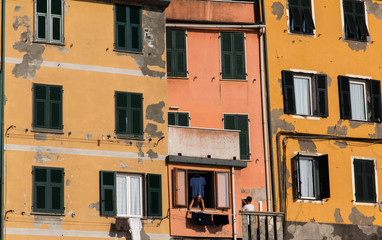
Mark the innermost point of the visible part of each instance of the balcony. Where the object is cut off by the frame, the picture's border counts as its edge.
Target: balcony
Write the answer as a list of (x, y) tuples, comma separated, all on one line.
[(212, 11), (262, 225), (204, 146)]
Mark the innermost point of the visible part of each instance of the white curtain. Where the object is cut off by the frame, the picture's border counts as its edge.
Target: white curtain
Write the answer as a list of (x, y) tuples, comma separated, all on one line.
[(121, 195), (302, 95), (357, 101), (306, 178), (135, 196)]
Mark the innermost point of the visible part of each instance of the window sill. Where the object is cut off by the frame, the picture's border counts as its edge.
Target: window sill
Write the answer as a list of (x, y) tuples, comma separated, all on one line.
[(234, 79), (47, 130), (48, 214), (129, 137), (306, 117), (49, 43), (128, 52), (366, 204), (177, 78), (356, 40), (310, 201), (302, 33)]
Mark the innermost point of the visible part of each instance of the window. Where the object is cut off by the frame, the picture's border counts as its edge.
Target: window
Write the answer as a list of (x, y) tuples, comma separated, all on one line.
[(178, 119), (239, 122), (48, 190), (305, 94), (128, 28), (300, 16), (47, 106), (311, 177), (176, 53), (122, 194), (129, 116), (233, 55), (49, 26), (214, 188), (364, 181), (360, 99), (355, 20)]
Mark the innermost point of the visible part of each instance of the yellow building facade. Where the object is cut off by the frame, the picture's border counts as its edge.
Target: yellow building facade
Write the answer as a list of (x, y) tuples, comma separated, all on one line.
[(85, 120), (325, 114)]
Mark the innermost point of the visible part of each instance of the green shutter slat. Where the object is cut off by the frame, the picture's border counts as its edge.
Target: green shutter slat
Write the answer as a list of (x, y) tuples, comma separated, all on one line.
[(129, 113), (321, 95), (295, 176), (242, 125), (47, 106), (344, 97), (176, 53), (183, 119), (107, 193), (375, 97), (233, 56), (154, 195), (229, 122), (128, 28), (171, 118), (288, 92)]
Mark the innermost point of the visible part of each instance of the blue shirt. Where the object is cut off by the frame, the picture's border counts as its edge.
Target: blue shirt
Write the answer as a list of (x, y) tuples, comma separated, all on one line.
[(197, 184)]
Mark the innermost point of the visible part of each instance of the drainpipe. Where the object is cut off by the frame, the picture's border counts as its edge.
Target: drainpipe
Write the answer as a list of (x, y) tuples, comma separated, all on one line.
[(233, 203), (271, 164), (2, 120)]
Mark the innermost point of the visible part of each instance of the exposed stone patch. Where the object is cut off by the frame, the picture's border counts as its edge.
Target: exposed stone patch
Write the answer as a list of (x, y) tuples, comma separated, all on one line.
[(68, 182), (88, 136), (307, 145), (356, 124), (154, 112), (356, 217), (278, 10), (123, 165), (33, 51), (259, 194), (341, 144), (53, 222), (152, 154), (287, 177), (94, 206), (337, 129), (337, 216), (40, 137), (139, 146), (356, 45), (43, 157), (280, 123), (62, 49), (311, 231), (17, 9), (374, 8), (152, 131)]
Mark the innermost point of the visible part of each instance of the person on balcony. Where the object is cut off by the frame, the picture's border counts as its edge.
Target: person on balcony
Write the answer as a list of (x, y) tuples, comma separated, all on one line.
[(197, 202), (248, 206)]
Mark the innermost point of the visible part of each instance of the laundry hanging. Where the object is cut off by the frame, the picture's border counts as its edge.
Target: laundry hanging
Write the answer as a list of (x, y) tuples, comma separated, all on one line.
[(135, 228), (197, 184)]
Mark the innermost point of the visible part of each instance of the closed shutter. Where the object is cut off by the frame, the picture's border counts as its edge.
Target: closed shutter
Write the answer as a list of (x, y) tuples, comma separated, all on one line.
[(120, 27), (171, 118), (154, 195), (226, 56), (129, 113), (40, 189), (136, 114), (55, 107), (229, 122), (128, 28), (375, 96), (239, 56), (364, 181), (296, 17), (180, 53), (170, 62), (121, 112), (183, 119), (321, 95), (40, 105), (323, 169), (107, 193), (344, 97), (288, 92), (242, 125)]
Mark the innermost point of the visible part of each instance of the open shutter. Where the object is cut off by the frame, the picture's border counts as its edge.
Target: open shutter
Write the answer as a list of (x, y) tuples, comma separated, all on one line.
[(344, 95), (242, 125), (306, 6), (348, 7), (180, 187), (323, 169), (360, 18), (296, 176), (375, 96), (296, 17), (170, 53), (108, 194), (154, 195), (222, 190), (136, 114), (321, 95), (288, 92)]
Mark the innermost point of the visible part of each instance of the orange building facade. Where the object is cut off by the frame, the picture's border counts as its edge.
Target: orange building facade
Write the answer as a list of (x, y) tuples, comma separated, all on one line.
[(214, 115)]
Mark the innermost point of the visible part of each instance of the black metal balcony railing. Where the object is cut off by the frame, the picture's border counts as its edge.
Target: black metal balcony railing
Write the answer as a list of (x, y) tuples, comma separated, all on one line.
[(262, 225)]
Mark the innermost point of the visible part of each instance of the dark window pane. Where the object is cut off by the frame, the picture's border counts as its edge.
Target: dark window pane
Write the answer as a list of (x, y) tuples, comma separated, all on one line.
[(171, 118), (122, 121), (183, 119), (55, 115), (40, 112), (41, 27), (108, 178), (121, 36), (154, 181), (121, 13), (40, 175), (56, 198), (121, 100), (134, 15), (55, 93), (154, 202), (40, 92), (226, 42), (136, 122), (56, 7), (134, 37), (41, 6), (40, 197), (109, 206), (56, 29), (56, 176), (136, 100)]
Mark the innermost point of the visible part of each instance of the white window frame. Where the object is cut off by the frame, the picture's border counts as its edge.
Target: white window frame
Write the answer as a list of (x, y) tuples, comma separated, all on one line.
[(49, 23), (128, 176), (375, 179), (310, 93), (354, 81), (315, 177)]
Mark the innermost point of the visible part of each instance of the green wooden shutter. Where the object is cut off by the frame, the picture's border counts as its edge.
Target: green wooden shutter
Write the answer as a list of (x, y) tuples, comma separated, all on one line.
[(306, 12), (364, 180), (120, 27), (296, 176), (375, 97), (107, 193), (40, 105), (226, 55), (121, 114), (56, 190), (296, 18), (56, 24), (183, 119), (239, 56), (323, 170), (360, 18), (154, 195), (229, 122), (179, 57), (242, 125), (344, 97), (288, 92), (136, 114), (350, 22), (55, 107), (171, 118), (134, 29), (40, 189), (170, 53), (322, 95)]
